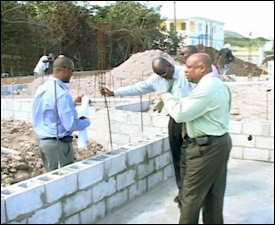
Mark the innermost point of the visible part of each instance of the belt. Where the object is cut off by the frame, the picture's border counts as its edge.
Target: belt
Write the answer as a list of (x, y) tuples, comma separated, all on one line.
[(64, 139), (205, 140)]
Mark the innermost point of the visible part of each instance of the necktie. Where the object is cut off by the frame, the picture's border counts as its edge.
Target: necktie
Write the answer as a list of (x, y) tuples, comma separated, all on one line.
[(160, 105)]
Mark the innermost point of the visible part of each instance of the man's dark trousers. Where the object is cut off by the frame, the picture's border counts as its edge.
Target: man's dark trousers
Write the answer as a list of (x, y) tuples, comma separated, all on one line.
[(175, 141)]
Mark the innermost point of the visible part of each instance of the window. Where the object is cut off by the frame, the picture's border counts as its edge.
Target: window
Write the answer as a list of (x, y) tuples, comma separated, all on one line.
[(172, 26), (183, 26), (200, 27)]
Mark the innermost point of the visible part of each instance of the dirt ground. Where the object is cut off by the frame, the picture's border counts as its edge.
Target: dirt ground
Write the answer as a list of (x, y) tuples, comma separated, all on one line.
[(250, 102), (19, 136)]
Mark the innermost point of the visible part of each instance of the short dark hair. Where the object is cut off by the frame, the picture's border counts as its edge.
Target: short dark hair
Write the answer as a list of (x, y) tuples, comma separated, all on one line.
[(192, 48)]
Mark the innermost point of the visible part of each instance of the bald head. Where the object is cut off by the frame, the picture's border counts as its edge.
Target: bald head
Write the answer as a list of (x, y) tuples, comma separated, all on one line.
[(197, 65), (63, 62), (163, 67)]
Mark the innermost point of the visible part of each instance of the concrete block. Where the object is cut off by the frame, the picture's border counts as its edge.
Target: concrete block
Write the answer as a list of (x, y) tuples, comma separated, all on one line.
[(168, 172), (155, 148), (26, 106), (130, 129), (125, 179), (3, 104), (120, 139), (155, 179), (151, 131), (17, 105), (136, 156), (162, 160), (136, 119), (9, 104), (93, 213), (235, 127), (3, 211), (256, 128), (271, 156), (119, 116), (6, 114), (166, 144), (75, 219), (103, 189), (77, 202), (160, 121), (49, 215), (89, 172), (236, 152), (272, 129), (145, 169), (115, 164), (242, 140), (265, 142), (117, 200), (25, 116), (256, 154), (137, 189), (17, 199), (58, 186)]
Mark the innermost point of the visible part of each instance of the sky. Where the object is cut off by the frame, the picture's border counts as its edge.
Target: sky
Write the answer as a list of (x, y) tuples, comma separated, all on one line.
[(243, 17)]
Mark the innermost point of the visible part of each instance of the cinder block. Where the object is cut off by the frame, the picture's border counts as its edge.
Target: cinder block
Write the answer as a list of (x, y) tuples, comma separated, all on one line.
[(155, 148), (89, 172), (3, 211), (130, 129), (162, 160), (58, 186), (17, 199), (77, 202), (93, 213), (145, 169), (3, 104), (272, 129), (119, 116), (137, 155), (256, 154), (75, 219), (235, 127), (26, 106), (121, 139), (137, 189), (160, 121), (236, 152), (265, 142), (125, 179), (103, 189), (168, 172), (271, 156), (254, 128), (117, 200), (115, 164), (155, 179), (242, 140), (166, 144), (18, 115), (136, 119), (49, 215)]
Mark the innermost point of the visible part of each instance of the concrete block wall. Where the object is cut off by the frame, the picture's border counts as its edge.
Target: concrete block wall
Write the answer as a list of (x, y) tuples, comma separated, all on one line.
[(252, 140), (87, 191)]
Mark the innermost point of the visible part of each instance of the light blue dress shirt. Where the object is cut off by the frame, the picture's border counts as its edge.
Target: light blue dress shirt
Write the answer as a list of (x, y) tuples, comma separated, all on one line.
[(44, 112), (181, 87)]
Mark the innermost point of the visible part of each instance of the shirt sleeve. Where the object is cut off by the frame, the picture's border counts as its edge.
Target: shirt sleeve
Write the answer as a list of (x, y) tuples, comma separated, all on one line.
[(140, 88), (68, 115)]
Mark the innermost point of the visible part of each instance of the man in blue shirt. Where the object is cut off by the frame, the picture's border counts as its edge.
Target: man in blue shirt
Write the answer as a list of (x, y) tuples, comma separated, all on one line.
[(52, 101)]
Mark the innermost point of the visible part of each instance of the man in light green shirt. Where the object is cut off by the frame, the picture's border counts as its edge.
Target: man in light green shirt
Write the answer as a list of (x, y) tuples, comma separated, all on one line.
[(206, 113)]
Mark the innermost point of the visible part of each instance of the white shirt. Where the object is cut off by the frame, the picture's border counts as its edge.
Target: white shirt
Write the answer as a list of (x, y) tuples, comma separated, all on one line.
[(181, 86), (41, 66)]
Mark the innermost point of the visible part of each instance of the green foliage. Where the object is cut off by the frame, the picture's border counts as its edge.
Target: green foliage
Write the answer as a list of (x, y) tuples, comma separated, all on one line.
[(246, 42), (30, 29)]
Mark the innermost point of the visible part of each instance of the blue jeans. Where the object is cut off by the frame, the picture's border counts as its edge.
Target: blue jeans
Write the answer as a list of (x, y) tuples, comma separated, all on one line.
[(226, 69)]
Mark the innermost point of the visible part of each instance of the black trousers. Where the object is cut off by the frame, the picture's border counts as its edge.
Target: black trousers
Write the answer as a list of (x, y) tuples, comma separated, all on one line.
[(175, 141), (205, 181)]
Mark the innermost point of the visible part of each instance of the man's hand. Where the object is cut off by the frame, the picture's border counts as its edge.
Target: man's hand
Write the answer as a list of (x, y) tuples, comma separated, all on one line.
[(160, 94), (105, 91), (78, 100)]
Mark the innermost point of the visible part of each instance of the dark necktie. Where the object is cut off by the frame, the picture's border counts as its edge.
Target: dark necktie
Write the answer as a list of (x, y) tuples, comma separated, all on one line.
[(160, 105)]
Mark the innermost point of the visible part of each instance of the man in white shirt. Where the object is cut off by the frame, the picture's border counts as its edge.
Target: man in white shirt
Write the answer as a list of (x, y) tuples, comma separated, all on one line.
[(43, 64), (159, 81)]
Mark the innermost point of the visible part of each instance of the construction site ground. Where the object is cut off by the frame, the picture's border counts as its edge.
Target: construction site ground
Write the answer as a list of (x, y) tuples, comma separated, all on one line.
[(249, 199)]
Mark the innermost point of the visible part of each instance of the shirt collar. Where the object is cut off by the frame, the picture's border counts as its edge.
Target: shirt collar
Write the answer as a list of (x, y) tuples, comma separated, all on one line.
[(60, 82)]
